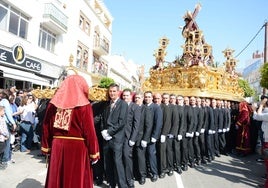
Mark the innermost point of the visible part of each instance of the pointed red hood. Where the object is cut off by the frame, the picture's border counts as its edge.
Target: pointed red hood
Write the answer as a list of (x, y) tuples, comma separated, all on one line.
[(72, 92)]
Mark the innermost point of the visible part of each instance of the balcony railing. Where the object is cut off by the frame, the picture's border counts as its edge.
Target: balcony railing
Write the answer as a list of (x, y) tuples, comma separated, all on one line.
[(56, 16), (101, 47), (99, 68)]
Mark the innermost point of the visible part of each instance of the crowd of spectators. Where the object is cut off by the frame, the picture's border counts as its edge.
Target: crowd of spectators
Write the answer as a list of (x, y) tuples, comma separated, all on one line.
[(20, 120)]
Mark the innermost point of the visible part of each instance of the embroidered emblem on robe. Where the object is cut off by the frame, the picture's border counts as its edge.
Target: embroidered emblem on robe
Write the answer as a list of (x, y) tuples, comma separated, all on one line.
[(63, 119)]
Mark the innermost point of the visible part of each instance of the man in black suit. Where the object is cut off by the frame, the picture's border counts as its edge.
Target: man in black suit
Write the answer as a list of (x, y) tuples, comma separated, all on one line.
[(166, 109), (203, 130), (226, 127), (98, 168), (199, 116), (131, 132), (157, 119), (172, 135), (187, 138), (113, 132), (210, 131), (222, 141), (143, 138), (177, 131), (218, 120)]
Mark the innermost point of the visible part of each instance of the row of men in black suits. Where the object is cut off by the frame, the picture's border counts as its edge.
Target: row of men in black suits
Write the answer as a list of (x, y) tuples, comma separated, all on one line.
[(159, 133), (192, 132)]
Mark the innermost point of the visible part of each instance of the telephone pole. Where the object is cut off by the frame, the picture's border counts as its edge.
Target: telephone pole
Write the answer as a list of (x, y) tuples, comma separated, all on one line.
[(265, 47), (266, 42)]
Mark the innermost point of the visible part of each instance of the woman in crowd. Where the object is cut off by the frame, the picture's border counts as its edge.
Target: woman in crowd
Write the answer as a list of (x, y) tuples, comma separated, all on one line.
[(3, 134), (27, 116), (4, 96)]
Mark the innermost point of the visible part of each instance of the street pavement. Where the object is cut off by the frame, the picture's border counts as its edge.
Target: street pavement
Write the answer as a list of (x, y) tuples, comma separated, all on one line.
[(29, 171)]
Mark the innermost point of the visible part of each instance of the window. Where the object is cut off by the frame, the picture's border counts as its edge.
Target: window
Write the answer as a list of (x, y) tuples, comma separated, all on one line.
[(106, 44), (81, 22), (3, 18), (78, 56), (97, 39), (82, 57), (13, 21), (84, 24), (85, 60), (47, 39), (87, 28), (23, 28)]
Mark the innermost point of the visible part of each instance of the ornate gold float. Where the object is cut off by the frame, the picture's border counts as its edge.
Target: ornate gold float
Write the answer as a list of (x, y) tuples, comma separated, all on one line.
[(97, 94), (46, 93), (194, 81), (194, 73)]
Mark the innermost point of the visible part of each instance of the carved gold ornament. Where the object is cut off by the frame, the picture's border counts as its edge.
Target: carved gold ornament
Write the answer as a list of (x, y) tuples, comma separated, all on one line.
[(95, 93), (194, 73)]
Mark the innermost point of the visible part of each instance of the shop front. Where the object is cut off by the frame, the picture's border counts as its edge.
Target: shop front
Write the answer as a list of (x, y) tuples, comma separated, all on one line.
[(18, 70), (21, 79)]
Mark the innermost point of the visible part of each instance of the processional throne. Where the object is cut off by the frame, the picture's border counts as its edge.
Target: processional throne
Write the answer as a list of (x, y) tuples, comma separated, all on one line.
[(194, 73)]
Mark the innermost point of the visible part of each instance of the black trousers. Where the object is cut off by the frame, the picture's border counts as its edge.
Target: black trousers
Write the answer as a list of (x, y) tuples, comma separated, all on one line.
[(114, 167), (152, 158), (98, 168), (178, 152), (128, 162), (163, 156), (210, 145), (170, 153), (222, 142), (141, 161), (230, 138), (187, 150), (216, 143), (197, 154), (202, 144)]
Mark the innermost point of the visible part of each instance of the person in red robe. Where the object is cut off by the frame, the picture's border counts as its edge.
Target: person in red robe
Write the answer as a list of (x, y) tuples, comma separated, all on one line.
[(69, 136), (243, 133)]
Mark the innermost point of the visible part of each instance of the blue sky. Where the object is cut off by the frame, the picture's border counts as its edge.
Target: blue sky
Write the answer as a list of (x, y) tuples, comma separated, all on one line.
[(139, 24)]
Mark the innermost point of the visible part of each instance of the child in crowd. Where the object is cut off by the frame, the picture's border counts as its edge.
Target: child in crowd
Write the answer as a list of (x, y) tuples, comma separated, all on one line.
[(3, 134)]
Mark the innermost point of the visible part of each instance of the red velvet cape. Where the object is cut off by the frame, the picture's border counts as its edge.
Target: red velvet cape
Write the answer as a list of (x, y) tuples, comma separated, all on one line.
[(70, 156), (243, 133)]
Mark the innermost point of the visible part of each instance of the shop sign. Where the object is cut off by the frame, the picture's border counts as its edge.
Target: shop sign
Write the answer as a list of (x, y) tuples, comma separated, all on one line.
[(18, 57)]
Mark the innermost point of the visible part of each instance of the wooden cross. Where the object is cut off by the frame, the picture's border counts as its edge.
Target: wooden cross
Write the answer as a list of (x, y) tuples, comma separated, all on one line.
[(196, 10)]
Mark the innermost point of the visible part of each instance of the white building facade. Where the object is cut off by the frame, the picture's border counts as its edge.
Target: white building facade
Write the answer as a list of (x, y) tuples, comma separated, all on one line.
[(124, 72), (251, 72), (38, 37)]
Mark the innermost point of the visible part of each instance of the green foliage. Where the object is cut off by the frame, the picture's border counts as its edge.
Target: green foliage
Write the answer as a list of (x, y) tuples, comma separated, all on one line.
[(248, 91), (264, 75), (105, 82)]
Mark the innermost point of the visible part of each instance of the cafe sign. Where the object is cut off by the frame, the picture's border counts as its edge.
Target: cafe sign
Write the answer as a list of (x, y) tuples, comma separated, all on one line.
[(18, 57)]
